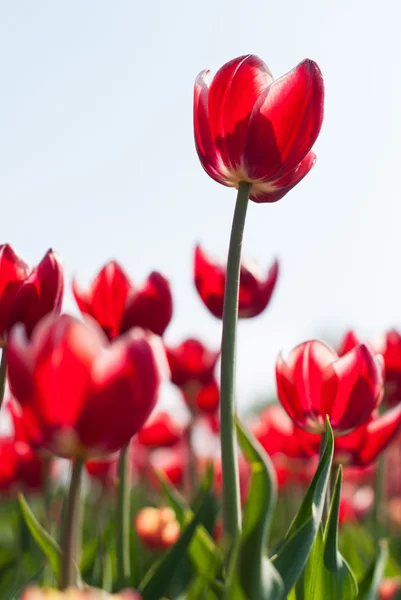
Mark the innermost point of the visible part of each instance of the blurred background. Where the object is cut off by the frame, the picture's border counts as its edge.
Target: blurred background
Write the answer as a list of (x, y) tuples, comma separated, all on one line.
[(97, 158)]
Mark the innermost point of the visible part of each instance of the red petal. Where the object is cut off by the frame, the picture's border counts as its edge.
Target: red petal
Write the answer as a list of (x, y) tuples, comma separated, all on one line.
[(232, 95), (106, 299), (380, 433), (13, 271), (209, 277), (285, 123), (276, 190), (125, 385), (150, 307), (259, 291), (160, 431), (40, 294), (205, 148), (191, 362)]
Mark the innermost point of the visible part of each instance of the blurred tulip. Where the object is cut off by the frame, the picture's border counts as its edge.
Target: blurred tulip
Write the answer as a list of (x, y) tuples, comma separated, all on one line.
[(355, 504), (172, 463), (251, 128), (314, 382), (81, 396), (389, 346), (160, 431), (191, 362), (117, 305), (157, 528), (21, 469), (390, 588), (28, 295), (255, 290), (203, 399), (103, 470), (77, 594)]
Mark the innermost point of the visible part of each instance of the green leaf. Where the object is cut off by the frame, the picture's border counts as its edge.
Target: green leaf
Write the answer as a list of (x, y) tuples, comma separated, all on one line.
[(290, 560), (156, 581), (369, 586), (327, 575), (253, 575), (44, 540), (205, 556)]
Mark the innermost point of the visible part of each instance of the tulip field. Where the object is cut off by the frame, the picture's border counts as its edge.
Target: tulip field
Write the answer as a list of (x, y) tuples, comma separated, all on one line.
[(104, 494)]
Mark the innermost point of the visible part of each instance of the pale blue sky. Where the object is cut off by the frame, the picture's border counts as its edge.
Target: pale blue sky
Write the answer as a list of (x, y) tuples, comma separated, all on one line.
[(97, 157)]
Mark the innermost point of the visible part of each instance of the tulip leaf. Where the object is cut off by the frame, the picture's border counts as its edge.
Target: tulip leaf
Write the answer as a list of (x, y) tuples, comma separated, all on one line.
[(156, 581), (44, 540), (291, 558), (369, 586), (252, 575), (327, 576), (205, 556)]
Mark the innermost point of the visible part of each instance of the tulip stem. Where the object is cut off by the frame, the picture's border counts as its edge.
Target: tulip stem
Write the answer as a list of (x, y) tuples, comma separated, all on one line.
[(70, 543), (123, 520), (231, 493), (3, 374)]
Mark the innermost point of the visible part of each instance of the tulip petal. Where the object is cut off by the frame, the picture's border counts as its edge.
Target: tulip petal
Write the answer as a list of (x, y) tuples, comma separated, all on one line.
[(150, 307), (232, 95), (106, 299), (13, 271), (285, 123), (208, 155), (274, 191)]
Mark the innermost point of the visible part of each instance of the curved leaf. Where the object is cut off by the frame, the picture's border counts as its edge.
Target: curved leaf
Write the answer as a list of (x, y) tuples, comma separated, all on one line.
[(290, 560), (253, 575), (44, 540)]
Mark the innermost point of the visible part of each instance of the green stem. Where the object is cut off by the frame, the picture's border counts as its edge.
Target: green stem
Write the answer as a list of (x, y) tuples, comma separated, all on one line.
[(231, 496), (123, 520), (379, 499), (47, 493), (191, 475), (3, 374), (70, 543)]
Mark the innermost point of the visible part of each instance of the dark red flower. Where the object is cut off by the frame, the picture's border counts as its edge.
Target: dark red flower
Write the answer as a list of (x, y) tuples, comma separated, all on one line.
[(28, 295), (160, 431), (117, 305), (191, 362), (80, 396), (389, 346), (255, 290), (314, 382), (251, 128)]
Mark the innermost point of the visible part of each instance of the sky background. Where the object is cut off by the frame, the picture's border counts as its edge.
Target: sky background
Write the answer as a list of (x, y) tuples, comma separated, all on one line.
[(97, 158)]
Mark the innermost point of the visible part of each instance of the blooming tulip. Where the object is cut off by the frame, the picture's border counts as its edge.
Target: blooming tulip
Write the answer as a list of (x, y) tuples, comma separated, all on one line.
[(314, 382), (191, 362), (28, 295), (80, 397), (251, 128), (117, 305), (255, 290)]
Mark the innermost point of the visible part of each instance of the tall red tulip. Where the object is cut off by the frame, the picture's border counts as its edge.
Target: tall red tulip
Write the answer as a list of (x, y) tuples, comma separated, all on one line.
[(255, 290), (313, 382), (118, 305), (249, 127), (81, 397), (27, 295)]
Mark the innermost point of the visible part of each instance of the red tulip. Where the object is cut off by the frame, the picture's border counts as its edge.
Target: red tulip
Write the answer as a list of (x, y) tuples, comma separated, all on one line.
[(390, 588), (117, 305), (274, 430), (390, 348), (103, 470), (202, 398), (79, 397), (255, 290), (28, 295), (314, 382), (160, 431), (191, 362), (172, 463), (251, 128), (355, 503)]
